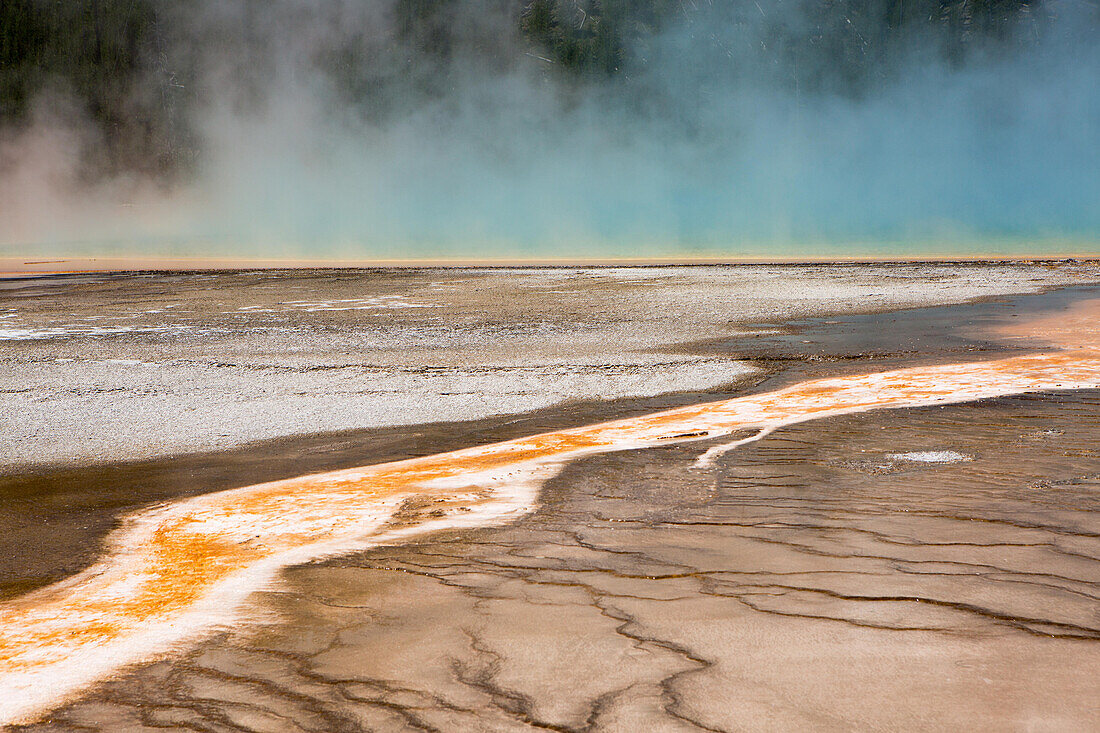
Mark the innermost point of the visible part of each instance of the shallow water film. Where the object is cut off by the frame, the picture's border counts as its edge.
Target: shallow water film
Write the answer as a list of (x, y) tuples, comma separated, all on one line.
[(897, 509)]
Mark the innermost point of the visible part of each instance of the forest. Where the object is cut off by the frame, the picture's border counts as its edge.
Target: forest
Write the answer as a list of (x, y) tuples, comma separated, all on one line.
[(138, 68)]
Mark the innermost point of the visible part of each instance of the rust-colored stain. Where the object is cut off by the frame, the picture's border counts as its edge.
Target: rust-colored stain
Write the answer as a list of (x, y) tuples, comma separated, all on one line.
[(177, 571)]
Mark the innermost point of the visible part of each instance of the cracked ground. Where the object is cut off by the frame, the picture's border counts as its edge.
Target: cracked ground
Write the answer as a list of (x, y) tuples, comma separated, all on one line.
[(811, 580)]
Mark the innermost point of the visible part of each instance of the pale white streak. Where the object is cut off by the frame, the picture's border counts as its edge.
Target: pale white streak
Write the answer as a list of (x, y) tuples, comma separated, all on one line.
[(711, 455), (931, 456), (70, 331), (350, 304)]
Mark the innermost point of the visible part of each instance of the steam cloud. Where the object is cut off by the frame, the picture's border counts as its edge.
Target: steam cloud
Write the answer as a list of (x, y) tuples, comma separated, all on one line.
[(709, 147)]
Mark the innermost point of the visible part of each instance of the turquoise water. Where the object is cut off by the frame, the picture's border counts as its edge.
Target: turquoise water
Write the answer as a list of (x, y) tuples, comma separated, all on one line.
[(994, 157)]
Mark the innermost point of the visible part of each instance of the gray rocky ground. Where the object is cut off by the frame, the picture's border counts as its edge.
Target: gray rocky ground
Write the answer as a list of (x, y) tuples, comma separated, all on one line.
[(102, 368)]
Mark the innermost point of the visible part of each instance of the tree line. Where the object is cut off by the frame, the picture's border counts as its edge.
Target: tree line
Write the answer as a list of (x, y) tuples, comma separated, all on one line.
[(120, 60)]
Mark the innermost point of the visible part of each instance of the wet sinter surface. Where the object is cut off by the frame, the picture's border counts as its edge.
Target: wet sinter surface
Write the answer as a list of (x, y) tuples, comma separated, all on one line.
[(179, 571), (818, 578), (64, 511), (175, 573)]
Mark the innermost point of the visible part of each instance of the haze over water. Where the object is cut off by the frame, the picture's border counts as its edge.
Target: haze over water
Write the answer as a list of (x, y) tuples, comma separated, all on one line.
[(723, 133)]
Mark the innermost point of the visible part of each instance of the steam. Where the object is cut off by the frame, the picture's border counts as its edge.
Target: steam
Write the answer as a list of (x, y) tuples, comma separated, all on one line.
[(484, 149)]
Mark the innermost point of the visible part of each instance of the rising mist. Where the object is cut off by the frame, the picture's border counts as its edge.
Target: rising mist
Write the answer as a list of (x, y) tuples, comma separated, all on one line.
[(367, 130)]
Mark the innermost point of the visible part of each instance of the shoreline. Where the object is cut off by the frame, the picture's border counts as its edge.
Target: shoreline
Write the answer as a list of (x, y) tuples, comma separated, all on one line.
[(17, 267)]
